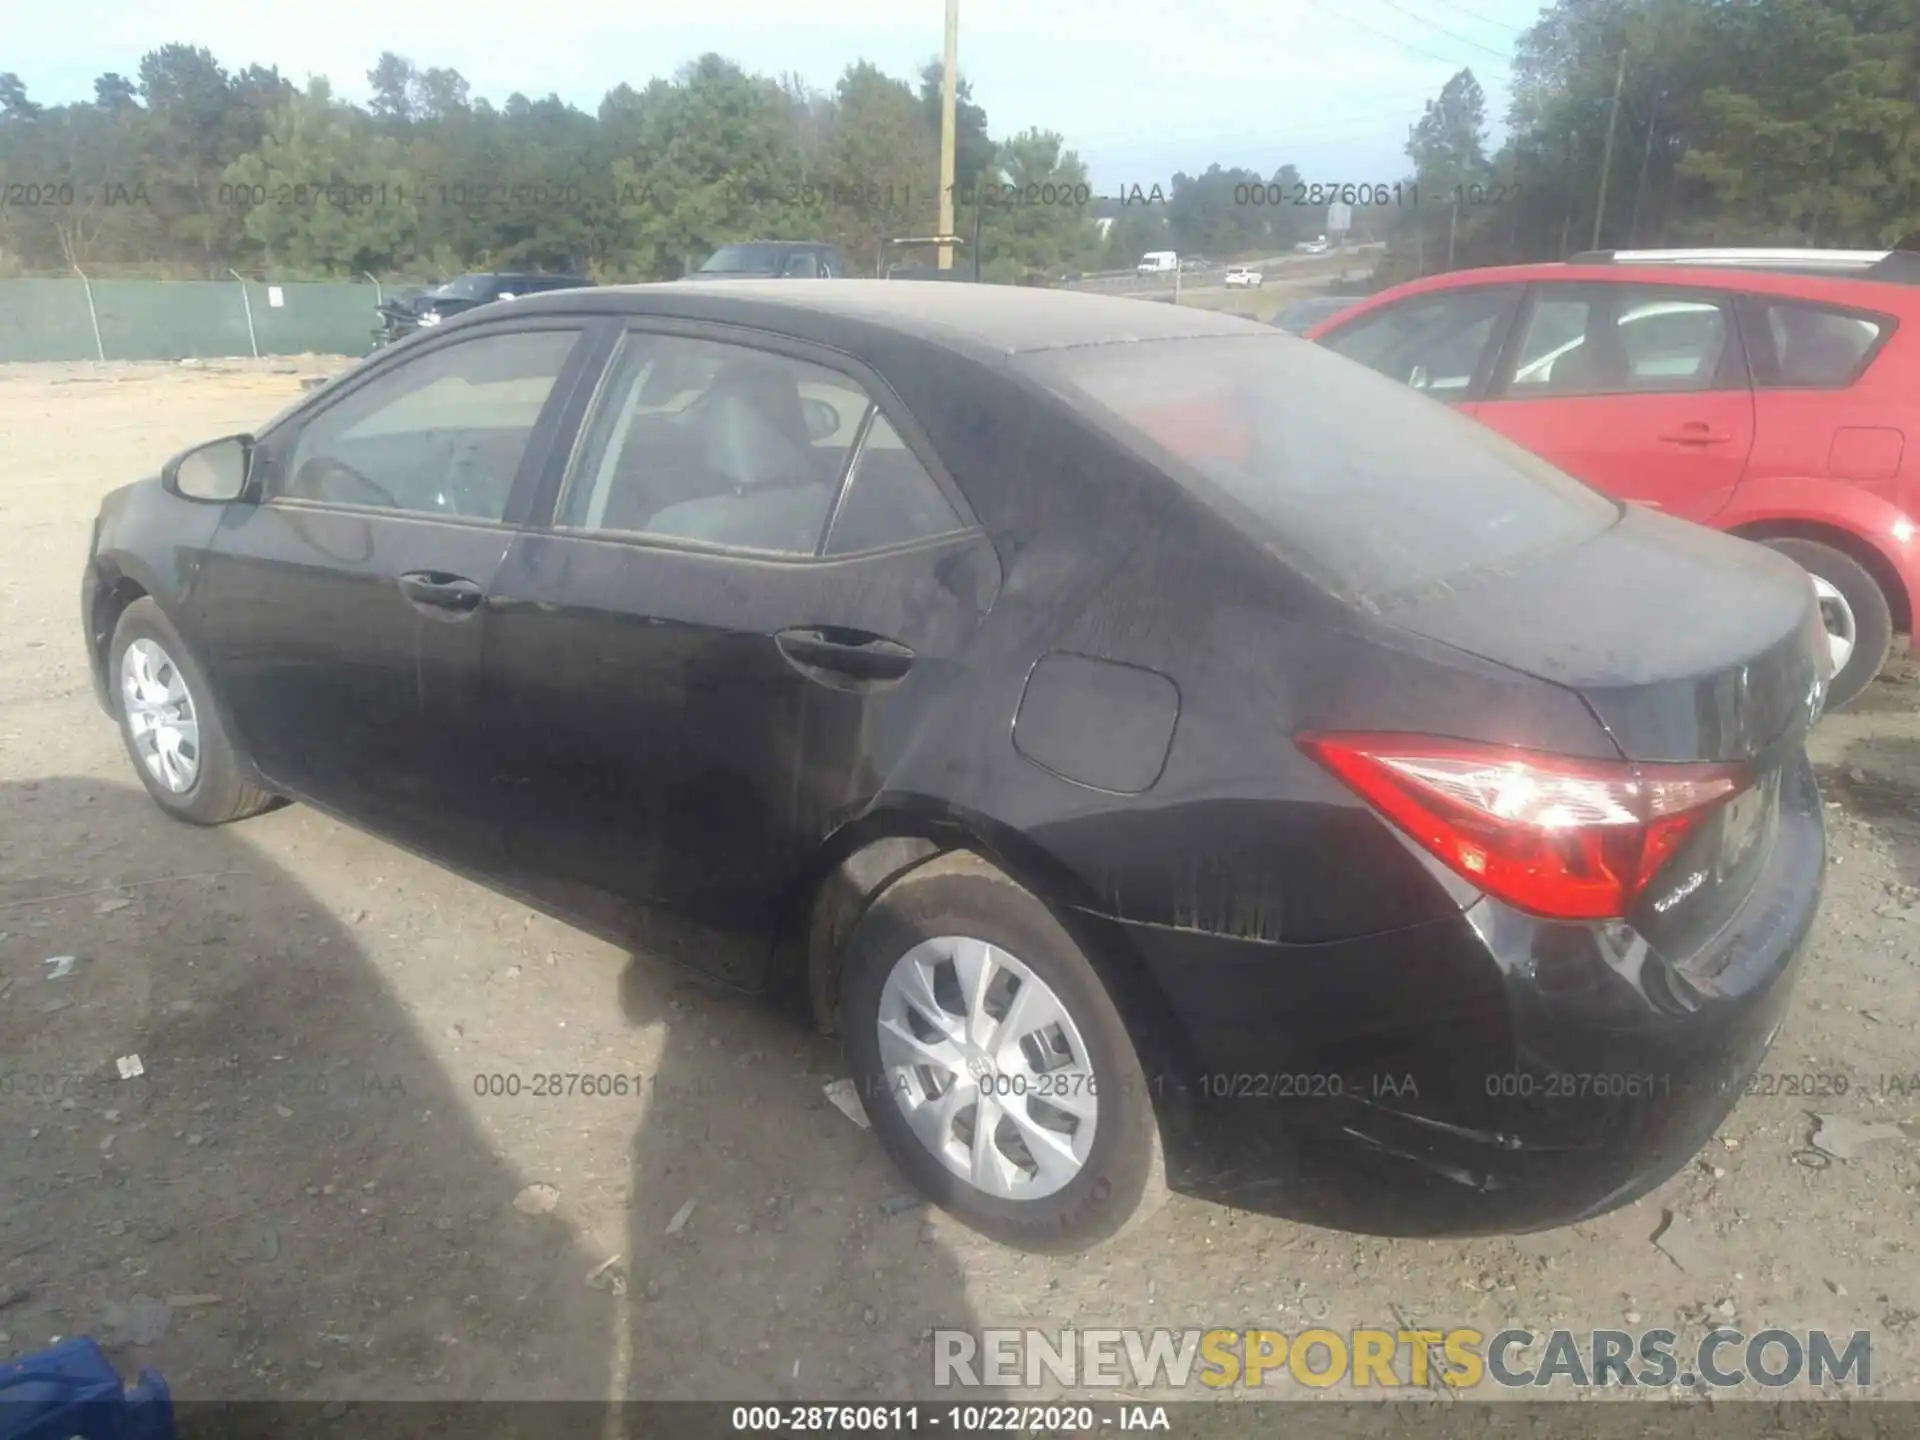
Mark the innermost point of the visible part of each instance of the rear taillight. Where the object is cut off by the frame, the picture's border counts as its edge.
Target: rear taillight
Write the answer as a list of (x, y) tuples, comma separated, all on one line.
[(1563, 838)]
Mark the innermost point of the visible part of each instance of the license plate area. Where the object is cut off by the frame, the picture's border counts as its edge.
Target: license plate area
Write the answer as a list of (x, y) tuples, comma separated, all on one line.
[(1745, 822)]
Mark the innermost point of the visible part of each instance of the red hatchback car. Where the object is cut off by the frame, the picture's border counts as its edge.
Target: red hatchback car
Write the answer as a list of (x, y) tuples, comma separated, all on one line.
[(1771, 394)]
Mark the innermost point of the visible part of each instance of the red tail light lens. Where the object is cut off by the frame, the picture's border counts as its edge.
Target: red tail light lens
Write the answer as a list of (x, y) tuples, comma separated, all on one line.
[(1562, 838)]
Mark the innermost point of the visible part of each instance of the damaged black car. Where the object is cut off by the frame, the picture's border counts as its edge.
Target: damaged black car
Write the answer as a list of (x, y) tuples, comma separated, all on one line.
[(1166, 754), (423, 309)]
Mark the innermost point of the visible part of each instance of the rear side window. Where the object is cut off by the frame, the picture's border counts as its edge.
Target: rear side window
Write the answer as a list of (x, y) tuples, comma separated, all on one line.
[(1798, 345), (1359, 483), (890, 498), (713, 442)]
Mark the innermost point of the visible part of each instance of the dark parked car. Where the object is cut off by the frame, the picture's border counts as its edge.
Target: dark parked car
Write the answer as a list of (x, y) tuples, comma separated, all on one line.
[(1152, 771), (405, 314), (773, 260)]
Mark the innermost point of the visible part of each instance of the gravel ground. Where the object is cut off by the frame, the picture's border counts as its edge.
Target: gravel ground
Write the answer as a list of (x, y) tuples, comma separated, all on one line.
[(308, 1193)]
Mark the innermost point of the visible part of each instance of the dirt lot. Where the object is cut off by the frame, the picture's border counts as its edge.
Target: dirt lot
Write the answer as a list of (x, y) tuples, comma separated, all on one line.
[(307, 1175)]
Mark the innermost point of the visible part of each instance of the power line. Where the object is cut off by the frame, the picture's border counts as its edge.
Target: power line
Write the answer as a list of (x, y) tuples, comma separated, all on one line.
[(1333, 125), (1384, 35), (1483, 19), (1441, 29)]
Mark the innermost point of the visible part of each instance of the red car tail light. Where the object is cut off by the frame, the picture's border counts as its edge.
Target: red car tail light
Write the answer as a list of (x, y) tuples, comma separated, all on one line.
[(1563, 838)]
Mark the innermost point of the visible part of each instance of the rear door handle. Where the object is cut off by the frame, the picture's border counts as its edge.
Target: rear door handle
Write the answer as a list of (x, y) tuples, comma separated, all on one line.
[(435, 590), (853, 653), (1696, 433)]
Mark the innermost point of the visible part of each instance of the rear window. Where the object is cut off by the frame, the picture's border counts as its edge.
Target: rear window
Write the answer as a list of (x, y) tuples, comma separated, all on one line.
[(1359, 482), (1803, 345)]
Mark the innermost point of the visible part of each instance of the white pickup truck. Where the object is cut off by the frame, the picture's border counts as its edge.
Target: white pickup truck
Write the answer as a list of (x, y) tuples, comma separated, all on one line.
[(1244, 277)]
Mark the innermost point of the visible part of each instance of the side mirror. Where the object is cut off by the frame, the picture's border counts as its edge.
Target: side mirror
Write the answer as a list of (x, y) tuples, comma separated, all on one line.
[(822, 419), (215, 472)]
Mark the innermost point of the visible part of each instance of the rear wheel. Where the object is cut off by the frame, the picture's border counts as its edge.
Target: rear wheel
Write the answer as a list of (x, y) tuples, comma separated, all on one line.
[(994, 1065), (169, 725), (1858, 619)]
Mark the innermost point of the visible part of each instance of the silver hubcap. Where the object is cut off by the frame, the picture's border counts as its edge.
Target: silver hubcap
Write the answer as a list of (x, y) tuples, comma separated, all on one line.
[(1838, 616), (988, 1067), (160, 715)]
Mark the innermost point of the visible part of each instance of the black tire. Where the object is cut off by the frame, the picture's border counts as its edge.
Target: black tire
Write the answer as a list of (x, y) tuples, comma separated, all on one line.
[(1872, 618), (220, 791), (1123, 1181)]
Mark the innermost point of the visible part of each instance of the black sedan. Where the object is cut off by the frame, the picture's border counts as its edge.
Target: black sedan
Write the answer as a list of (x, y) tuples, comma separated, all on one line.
[(1164, 751)]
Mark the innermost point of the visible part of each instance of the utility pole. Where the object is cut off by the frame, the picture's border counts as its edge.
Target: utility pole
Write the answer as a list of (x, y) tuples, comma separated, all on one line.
[(949, 105), (1640, 185), (1606, 158), (1566, 221), (1453, 225)]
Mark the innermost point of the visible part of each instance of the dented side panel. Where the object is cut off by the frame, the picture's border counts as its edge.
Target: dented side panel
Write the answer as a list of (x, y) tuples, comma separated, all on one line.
[(670, 769)]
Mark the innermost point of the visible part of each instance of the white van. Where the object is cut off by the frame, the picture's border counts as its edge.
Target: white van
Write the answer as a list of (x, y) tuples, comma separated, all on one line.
[(1158, 262)]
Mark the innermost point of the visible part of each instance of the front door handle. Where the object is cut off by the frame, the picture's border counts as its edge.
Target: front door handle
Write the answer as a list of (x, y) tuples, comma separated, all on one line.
[(435, 590), (1696, 432), (853, 653)]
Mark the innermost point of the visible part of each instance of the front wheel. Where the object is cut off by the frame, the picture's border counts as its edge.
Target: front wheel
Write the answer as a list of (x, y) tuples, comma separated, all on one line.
[(1854, 608), (169, 724), (994, 1065)]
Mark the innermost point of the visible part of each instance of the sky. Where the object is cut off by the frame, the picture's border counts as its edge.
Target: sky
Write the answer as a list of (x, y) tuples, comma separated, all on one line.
[(1140, 88)]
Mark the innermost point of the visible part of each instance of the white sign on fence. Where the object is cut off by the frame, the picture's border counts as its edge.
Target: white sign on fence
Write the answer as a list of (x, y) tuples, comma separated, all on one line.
[(276, 297), (1339, 218)]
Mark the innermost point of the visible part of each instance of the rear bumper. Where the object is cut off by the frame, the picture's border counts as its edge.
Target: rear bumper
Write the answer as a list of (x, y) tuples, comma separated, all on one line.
[(1493, 1073)]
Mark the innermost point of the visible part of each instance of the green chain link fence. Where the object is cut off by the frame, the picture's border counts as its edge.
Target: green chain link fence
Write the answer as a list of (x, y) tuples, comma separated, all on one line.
[(82, 319)]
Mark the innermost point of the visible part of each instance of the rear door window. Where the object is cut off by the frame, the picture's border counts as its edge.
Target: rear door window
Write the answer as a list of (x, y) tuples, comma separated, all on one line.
[(1623, 339), (1356, 481), (714, 443)]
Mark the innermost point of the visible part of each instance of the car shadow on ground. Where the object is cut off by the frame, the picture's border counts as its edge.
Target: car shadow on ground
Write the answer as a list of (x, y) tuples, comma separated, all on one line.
[(293, 1202), (290, 1202), (768, 1230)]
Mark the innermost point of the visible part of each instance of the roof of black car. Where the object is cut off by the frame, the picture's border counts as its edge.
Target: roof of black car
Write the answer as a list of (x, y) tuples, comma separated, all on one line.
[(1009, 319)]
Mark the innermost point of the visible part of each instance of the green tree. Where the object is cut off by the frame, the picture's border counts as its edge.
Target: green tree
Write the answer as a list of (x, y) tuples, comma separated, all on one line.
[(14, 104), (394, 80), (1812, 141), (1448, 148), (336, 219), (877, 166), (714, 163), (1047, 228)]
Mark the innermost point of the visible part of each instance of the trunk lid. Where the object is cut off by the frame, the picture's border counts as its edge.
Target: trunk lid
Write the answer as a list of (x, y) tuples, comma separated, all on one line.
[(1688, 645)]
